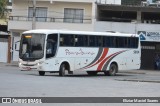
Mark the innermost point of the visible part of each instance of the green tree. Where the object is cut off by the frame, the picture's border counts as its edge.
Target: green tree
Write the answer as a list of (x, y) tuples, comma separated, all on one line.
[(3, 9)]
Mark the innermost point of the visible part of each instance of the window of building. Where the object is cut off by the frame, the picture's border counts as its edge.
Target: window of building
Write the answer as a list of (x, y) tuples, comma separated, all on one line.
[(73, 15), (41, 14)]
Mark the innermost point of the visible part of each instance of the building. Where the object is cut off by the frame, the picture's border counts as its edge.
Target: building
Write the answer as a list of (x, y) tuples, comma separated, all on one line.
[(5, 47), (5, 38), (5, 42), (50, 14), (133, 16), (128, 16)]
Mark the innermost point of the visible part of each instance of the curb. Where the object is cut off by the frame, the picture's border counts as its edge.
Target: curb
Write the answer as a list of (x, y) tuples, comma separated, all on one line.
[(139, 80), (133, 72), (13, 65)]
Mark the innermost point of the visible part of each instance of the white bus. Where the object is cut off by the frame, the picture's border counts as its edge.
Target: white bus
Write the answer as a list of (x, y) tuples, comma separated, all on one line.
[(62, 50)]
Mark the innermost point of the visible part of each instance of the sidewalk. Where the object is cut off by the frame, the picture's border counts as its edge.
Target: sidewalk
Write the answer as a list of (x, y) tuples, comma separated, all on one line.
[(12, 64), (140, 71), (152, 76)]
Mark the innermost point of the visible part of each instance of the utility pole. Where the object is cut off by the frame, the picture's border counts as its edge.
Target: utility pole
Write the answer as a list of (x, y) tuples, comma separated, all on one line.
[(34, 15)]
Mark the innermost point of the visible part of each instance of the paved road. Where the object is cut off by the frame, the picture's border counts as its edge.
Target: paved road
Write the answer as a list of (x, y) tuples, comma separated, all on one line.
[(16, 83)]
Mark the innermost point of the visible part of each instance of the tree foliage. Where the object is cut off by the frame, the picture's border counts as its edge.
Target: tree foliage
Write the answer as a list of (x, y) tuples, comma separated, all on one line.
[(3, 9)]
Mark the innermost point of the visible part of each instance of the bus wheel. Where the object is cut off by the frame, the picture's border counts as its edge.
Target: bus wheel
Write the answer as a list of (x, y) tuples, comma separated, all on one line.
[(62, 70), (92, 73), (41, 73), (112, 70)]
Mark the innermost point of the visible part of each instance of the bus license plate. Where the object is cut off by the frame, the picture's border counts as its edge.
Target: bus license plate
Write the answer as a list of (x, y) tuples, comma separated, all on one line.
[(27, 68)]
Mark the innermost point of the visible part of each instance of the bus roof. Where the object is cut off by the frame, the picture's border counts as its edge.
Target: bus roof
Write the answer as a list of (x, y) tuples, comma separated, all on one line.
[(50, 31)]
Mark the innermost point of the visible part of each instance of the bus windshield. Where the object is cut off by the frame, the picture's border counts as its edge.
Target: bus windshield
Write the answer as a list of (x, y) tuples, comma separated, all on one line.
[(32, 46)]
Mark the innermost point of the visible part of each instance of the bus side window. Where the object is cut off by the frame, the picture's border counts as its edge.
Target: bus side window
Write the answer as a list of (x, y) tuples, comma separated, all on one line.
[(121, 42), (66, 40), (61, 41), (85, 40), (51, 46), (133, 42), (99, 41), (108, 41), (136, 42), (92, 41), (81, 41), (125, 42), (76, 40)]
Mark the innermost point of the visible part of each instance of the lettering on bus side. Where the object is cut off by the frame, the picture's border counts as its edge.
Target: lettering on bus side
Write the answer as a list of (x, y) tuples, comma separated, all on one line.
[(80, 52)]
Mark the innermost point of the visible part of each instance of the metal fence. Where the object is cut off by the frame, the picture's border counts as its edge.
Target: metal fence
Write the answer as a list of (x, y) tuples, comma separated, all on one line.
[(130, 2), (50, 19), (107, 1)]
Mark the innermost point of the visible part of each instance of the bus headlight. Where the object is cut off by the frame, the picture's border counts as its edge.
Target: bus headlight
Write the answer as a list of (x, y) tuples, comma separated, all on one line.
[(37, 64), (20, 63)]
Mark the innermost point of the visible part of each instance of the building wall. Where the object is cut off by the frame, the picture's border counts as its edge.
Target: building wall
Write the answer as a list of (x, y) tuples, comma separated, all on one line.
[(125, 27), (15, 45), (20, 7), (4, 51), (85, 1), (55, 10), (4, 47)]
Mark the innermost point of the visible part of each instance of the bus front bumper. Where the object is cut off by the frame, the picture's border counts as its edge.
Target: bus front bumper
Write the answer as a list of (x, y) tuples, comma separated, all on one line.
[(34, 67)]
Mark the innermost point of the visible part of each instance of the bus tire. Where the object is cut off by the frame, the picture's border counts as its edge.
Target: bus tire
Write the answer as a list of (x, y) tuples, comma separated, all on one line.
[(112, 70), (41, 73), (92, 73), (62, 70)]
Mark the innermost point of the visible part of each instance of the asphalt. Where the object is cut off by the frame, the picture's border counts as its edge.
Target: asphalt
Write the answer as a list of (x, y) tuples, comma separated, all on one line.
[(152, 76)]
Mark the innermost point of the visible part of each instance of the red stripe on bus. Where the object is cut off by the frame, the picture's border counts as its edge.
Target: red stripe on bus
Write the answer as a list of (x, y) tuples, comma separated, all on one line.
[(105, 60), (102, 63), (105, 51)]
